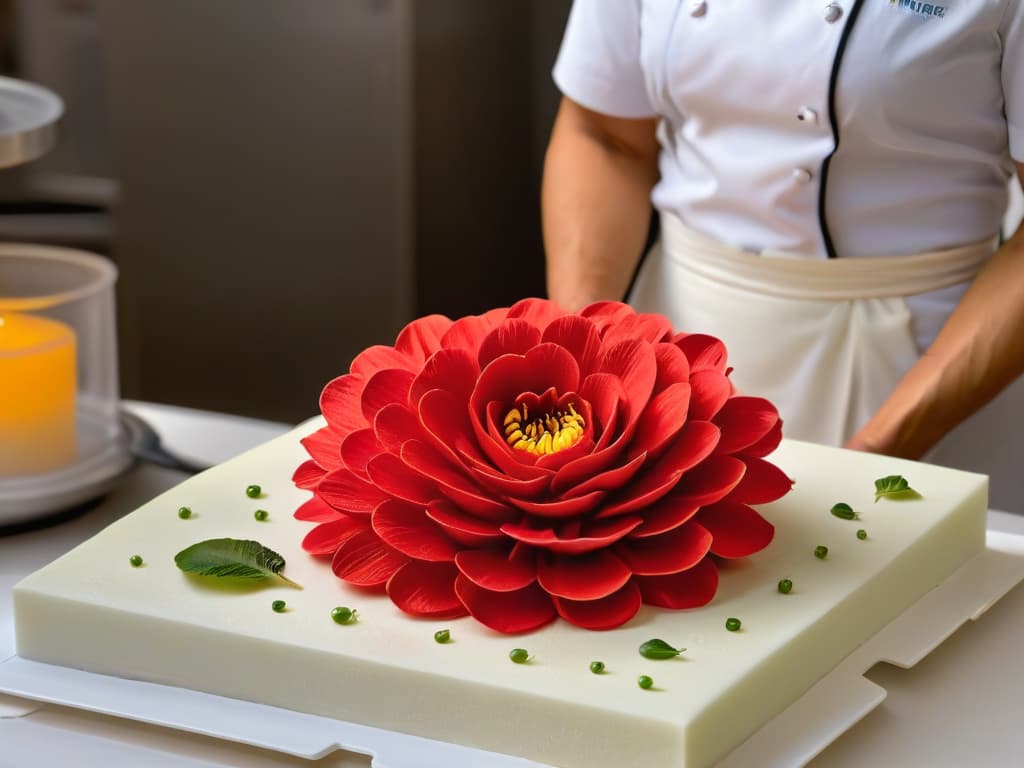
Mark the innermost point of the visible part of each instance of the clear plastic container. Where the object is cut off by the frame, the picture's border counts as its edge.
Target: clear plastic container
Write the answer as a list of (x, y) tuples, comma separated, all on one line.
[(62, 439)]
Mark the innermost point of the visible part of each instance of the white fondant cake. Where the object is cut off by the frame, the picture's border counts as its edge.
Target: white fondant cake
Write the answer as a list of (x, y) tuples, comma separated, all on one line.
[(92, 610)]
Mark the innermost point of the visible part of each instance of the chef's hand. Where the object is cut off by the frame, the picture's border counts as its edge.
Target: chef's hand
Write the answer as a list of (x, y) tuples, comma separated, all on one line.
[(976, 355)]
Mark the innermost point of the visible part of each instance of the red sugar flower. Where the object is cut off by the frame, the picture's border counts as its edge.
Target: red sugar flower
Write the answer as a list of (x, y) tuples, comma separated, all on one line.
[(530, 463)]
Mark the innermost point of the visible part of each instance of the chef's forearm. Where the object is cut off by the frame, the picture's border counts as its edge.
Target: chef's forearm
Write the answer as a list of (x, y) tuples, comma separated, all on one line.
[(598, 175), (979, 351)]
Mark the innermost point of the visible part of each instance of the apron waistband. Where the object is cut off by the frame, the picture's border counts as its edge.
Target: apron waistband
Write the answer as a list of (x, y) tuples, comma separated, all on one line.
[(792, 276)]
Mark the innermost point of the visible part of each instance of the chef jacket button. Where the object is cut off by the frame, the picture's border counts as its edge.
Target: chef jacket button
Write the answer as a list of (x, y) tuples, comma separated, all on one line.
[(808, 115), (833, 13), (698, 8), (801, 175)]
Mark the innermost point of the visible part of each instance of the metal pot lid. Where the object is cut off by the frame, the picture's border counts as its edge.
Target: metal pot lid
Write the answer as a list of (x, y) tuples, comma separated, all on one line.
[(29, 115)]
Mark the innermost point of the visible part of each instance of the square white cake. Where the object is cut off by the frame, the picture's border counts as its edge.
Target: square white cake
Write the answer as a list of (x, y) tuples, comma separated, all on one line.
[(93, 610)]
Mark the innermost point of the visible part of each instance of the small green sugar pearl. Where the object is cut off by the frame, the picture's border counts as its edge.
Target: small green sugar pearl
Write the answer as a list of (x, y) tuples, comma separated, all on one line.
[(185, 513), (261, 515), (135, 560), (645, 682), (278, 606), (343, 615), (785, 586), (442, 636), (519, 655), (253, 491), (597, 667), (733, 624), (862, 534), (821, 552)]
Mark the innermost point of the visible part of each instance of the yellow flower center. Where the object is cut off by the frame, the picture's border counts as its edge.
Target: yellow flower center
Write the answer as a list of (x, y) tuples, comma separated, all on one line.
[(549, 433)]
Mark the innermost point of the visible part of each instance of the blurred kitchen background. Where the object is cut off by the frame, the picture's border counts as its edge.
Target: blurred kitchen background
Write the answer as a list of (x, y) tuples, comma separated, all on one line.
[(285, 183)]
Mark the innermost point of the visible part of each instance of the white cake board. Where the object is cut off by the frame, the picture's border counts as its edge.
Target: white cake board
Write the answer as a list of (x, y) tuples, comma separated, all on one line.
[(792, 738)]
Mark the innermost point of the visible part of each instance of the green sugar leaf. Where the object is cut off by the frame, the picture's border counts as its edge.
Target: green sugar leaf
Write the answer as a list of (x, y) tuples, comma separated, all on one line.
[(232, 558), (894, 487), (658, 650), (844, 511)]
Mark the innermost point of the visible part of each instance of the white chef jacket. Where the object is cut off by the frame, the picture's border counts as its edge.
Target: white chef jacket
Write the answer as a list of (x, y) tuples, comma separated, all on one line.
[(856, 128)]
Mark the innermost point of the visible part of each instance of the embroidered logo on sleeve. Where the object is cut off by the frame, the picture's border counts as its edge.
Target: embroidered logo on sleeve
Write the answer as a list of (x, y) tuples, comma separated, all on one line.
[(931, 10)]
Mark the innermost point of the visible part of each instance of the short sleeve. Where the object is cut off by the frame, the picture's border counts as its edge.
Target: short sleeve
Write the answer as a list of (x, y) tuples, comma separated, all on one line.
[(598, 64), (1013, 76)]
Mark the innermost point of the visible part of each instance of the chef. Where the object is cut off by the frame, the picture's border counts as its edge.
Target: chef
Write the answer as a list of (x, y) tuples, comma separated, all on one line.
[(830, 181)]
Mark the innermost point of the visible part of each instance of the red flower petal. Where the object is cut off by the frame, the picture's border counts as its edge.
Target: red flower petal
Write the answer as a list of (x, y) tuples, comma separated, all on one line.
[(673, 366), (744, 421), (358, 448), (322, 445), (704, 352), (646, 326), (664, 515), (612, 479), (678, 550), (380, 358), (366, 561), (695, 442), (325, 539), (636, 366), (607, 613), (521, 611), (497, 570), (394, 424), (426, 589), (422, 337), (661, 420), (686, 589), (513, 337), (561, 508), (597, 535), (316, 510), (766, 444), (345, 491), (383, 388), (308, 475), (606, 314), (451, 370), (711, 480), (578, 335), (544, 367), (426, 461), (711, 390), (465, 529), (339, 403), (736, 529), (468, 332), (446, 421), (538, 312), (407, 528), (582, 577), (607, 398), (394, 477), (504, 485), (762, 483)]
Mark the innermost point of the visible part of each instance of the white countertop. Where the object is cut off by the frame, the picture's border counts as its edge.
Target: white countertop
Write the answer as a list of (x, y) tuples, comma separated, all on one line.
[(959, 706)]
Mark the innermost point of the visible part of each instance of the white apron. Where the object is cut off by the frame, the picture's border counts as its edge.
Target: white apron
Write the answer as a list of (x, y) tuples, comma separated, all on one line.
[(825, 340)]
